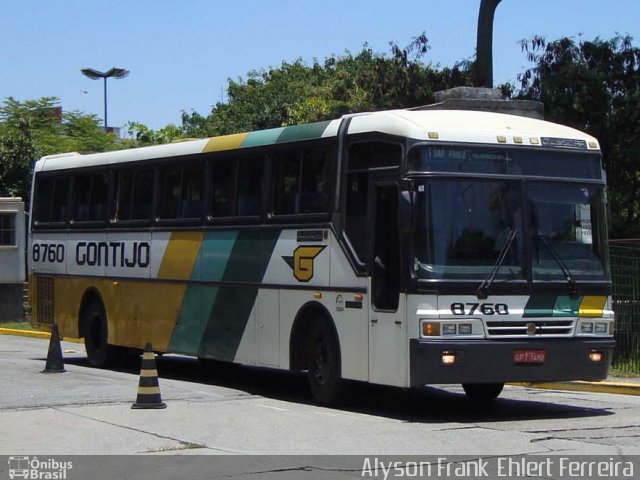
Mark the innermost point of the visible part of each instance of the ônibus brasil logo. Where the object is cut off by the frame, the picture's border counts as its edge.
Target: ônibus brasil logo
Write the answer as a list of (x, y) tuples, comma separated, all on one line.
[(36, 469)]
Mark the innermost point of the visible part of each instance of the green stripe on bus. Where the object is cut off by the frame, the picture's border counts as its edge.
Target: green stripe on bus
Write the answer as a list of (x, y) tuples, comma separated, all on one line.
[(294, 133), (263, 137), (551, 306), (199, 299), (303, 132), (566, 306), (248, 262)]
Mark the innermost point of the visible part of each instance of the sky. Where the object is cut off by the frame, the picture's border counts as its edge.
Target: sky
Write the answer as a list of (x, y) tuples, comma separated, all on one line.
[(180, 54)]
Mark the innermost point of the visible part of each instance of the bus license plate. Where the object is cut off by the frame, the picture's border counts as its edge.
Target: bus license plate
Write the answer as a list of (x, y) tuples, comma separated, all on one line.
[(529, 356)]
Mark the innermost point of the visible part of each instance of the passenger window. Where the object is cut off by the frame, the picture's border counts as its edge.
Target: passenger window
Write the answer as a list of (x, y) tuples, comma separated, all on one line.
[(134, 195), (287, 183), (250, 174), (223, 181), (90, 193), (181, 192), (44, 200), (314, 197), (301, 182), (60, 201)]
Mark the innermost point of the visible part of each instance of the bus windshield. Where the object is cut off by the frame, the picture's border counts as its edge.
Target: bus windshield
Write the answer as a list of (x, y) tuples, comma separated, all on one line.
[(469, 229)]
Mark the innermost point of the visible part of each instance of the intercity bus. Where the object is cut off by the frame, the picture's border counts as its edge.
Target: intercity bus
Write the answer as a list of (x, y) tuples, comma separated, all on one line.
[(404, 248)]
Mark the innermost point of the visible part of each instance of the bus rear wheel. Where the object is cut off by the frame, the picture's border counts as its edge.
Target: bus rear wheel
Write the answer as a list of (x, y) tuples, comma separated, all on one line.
[(482, 392), (94, 320), (324, 366)]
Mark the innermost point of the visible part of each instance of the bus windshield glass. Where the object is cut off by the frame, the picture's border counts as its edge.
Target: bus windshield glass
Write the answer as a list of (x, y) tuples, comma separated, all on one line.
[(564, 222), (464, 226)]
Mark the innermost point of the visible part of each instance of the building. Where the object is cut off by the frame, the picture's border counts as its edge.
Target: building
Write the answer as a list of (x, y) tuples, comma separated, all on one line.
[(12, 259)]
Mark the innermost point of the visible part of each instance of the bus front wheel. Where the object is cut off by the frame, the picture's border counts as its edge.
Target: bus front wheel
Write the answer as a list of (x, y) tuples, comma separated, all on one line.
[(324, 366), (99, 352), (482, 392)]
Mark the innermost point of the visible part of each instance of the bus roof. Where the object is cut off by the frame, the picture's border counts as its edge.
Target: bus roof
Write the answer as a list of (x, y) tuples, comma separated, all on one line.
[(428, 125)]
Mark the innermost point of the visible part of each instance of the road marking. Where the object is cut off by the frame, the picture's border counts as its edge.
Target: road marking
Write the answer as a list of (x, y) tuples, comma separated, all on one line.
[(272, 408)]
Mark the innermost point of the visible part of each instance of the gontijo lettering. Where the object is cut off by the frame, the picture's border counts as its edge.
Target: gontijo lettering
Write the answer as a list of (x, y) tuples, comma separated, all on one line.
[(113, 254)]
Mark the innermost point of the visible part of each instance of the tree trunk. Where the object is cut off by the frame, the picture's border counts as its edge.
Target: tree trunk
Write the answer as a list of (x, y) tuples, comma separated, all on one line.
[(484, 44)]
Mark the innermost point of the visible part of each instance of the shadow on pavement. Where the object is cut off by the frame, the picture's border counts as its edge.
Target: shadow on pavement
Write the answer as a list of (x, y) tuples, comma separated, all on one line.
[(429, 404)]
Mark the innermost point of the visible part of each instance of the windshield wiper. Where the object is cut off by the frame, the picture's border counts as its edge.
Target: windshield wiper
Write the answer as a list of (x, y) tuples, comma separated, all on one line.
[(573, 286), (483, 290)]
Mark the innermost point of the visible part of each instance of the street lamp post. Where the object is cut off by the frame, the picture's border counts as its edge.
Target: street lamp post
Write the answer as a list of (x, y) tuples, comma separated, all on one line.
[(94, 74)]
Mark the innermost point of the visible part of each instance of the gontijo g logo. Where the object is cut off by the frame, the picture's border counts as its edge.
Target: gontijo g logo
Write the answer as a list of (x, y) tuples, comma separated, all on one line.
[(302, 261), (35, 469)]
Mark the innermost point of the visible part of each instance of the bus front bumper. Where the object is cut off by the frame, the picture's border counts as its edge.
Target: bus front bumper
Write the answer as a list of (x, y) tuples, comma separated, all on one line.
[(494, 361)]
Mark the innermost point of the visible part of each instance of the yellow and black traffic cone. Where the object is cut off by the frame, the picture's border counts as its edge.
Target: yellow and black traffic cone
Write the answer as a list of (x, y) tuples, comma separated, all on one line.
[(55, 363), (149, 388)]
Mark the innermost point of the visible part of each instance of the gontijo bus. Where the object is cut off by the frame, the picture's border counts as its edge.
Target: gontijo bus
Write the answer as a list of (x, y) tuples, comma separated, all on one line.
[(403, 248)]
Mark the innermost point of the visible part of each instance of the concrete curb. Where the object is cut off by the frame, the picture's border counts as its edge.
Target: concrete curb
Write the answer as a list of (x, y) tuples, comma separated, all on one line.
[(34, 334), (24, 333), (622, 388)]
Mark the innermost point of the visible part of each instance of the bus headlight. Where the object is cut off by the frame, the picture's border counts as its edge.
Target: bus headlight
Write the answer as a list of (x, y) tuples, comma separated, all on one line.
[(449, 329), (586, 327), (600, 327), (464, 329)]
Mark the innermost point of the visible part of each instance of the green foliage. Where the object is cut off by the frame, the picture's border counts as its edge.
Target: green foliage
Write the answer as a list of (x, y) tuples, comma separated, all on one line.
[(31, 129), (594, 86), (299, 93), (143, 135)]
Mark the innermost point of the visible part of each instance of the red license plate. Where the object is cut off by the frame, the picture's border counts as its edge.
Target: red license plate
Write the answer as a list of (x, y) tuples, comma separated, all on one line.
[(529, 356)]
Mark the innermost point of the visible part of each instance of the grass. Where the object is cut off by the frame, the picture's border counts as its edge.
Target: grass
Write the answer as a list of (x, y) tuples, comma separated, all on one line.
[(625, 367), (19, 326)]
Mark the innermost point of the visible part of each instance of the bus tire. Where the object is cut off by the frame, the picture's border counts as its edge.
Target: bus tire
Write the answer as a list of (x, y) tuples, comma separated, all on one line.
[(99, 353), (482, 392), (324, 365)]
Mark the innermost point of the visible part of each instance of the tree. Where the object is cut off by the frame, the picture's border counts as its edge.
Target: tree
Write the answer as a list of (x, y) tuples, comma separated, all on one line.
[(299, 93), (484, 44), (594, 86), (33, 128)]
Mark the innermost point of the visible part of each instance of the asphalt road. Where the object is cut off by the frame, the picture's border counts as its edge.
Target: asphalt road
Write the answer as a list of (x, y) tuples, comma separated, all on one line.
[(239, 410)]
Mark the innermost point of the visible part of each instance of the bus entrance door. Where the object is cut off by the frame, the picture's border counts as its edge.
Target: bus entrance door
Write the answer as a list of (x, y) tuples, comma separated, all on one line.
[(387, 328)]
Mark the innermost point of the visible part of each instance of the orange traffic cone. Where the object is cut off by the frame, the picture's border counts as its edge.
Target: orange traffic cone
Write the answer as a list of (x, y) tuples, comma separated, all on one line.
[(55, 363), (149, 388)]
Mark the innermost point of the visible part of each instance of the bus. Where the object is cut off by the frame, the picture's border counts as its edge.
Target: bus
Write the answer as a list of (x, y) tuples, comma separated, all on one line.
[(402, 248)]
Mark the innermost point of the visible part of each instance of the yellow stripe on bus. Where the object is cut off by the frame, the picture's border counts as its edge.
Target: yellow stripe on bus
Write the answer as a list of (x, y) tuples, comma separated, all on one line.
[(228, 142), (180, 255), (592, 306)]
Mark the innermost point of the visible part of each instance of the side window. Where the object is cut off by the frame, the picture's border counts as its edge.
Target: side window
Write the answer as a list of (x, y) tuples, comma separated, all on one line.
[(356, 212), (314, 188), (250, 174), (60, 200), (181, 191), (142, 200), (301, 182), (51, 202), (364, 157), (170, 192), (368, 155), (286, 200), (44, 200), (90, 193), (134, 194), (7, 229), (223, 182)]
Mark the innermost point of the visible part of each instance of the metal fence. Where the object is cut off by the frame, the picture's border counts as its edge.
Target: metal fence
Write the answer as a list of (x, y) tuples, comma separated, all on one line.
[(625, 272)]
